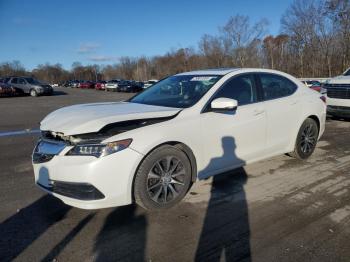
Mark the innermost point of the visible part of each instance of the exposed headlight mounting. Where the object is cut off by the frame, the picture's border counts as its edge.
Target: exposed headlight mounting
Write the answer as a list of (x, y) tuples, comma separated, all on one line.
[(99, 150)]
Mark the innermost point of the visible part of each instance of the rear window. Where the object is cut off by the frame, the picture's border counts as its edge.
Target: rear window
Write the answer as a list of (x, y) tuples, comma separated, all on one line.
[(275, 86)]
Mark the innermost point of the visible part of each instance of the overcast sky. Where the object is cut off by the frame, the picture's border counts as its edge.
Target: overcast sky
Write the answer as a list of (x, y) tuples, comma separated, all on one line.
[(38, 31)]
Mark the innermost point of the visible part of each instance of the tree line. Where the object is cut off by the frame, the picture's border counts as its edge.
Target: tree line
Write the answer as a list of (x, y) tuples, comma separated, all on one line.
[(314, 42)]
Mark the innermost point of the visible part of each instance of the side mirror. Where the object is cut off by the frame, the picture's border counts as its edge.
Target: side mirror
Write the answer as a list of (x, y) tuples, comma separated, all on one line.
[(223, 104)]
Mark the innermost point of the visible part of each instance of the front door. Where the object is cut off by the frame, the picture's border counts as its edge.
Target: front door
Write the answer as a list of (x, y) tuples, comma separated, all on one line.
[(231, 139)]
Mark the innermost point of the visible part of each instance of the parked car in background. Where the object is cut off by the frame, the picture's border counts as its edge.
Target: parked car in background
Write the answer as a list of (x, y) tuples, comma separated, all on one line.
[(100, 85), (139, 84), (313, 84), (123, 85), (67, 83), (6, 89), (189, 126), (310, 83), (130, 87), (337, 90), (29, 85), (112, 85), (317, 86), (149, 83), (87, 85), (71, 83), (76, 83)]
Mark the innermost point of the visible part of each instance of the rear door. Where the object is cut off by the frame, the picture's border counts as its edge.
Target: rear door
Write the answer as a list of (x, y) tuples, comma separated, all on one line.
[(283, 109)]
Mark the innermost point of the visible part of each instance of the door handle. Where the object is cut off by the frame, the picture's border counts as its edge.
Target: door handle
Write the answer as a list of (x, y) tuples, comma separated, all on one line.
[(258, 112), (294, 103)]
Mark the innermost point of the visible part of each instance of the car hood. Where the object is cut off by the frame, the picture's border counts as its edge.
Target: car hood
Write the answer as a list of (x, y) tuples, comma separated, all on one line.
[(89, 118), (340, 80)]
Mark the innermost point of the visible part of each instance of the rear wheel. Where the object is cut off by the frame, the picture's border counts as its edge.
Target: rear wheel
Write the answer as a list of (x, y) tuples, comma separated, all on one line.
[(306, 140), (163, 178)]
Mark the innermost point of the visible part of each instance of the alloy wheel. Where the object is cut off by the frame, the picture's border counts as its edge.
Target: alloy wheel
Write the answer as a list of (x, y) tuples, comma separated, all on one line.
[(166, 180), (308, 139)]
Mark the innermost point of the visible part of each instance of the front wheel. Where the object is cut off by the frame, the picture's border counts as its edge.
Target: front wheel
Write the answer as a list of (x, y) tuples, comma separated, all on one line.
[(306, 140), (163, 178), (33, 93)]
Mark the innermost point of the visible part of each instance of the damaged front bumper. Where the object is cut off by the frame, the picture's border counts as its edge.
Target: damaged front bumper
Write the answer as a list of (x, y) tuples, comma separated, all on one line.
[(86, 182)]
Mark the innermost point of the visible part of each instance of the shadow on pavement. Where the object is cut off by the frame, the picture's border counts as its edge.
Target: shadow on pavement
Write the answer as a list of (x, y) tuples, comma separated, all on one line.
[(58, 93), (123, 236), (20, 230), (68, 238), (225, 234)]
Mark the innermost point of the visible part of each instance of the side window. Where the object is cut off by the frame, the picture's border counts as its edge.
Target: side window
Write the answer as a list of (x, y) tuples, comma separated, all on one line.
[(21, 81), (275, 86), (14, 80), (241, 88)]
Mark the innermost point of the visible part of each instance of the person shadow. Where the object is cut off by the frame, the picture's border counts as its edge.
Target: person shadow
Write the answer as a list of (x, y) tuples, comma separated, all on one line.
[(225, 235), (20, 230), (123, 236)]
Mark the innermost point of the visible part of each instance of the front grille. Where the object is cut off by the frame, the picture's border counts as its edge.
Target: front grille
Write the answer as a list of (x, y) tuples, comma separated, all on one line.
[(339, 91)]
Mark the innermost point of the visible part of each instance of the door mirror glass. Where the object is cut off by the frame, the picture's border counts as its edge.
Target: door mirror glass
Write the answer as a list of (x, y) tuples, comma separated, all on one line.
[(223, 104)]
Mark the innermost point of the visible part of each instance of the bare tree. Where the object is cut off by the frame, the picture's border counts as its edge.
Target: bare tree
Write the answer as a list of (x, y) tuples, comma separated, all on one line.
[(238, 35), (212, 48), (339, 13)]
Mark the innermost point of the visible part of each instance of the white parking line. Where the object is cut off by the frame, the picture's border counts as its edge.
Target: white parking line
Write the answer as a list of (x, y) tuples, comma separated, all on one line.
[(19, 132)]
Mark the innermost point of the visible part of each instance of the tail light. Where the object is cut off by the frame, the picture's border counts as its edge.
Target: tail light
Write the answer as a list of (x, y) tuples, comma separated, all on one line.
[(323, 98)]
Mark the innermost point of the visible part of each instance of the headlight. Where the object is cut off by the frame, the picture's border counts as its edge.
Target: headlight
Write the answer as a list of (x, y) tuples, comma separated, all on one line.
[(323, 90), (99, 150)]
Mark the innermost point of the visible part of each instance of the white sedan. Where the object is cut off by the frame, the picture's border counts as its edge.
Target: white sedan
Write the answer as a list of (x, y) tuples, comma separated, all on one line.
[(112, 85), (189, 126)]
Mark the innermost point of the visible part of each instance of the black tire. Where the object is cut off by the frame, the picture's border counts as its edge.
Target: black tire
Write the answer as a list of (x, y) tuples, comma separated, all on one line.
[(154, 189), (306, 140), (33, 93)]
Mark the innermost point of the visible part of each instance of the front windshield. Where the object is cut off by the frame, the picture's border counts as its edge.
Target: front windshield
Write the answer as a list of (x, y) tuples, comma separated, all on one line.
[(32, 81), (177, 91), (347, 73)]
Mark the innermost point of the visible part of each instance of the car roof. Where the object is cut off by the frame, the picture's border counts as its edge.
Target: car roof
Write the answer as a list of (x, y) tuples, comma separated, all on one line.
[(214, 71), (225, 71)]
